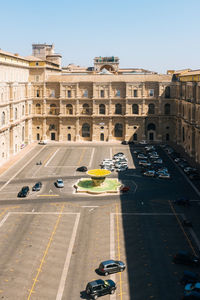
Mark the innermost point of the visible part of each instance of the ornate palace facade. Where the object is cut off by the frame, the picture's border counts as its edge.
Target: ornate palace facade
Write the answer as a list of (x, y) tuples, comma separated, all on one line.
[(41, 100)]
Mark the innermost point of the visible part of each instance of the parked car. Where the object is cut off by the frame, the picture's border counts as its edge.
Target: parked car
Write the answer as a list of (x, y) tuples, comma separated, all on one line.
[(24, 192), (143, 142), (37, 186), (144, 162), (59, 183), (186, 258), (150, 173), (189, 277), (142, 156), (182, 201), (82, 169), (189, 170), (194, 176), (100, 287), (122, 168), (124, 189), (192, 296), (158, 161), (183, 164), (111, 266), (124, 143), (164, 175), (42, 142), (192, 287)]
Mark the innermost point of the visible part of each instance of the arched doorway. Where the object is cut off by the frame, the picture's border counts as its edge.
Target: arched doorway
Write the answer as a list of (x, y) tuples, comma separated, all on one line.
[(38, 136), (151, 128), (53, 136), (69, 137), (102, 137)]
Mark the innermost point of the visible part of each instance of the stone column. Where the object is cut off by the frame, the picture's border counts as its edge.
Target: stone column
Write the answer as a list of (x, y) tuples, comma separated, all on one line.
[(44, 129), (126, 136), (77, 130), (94, 137), (60, 133), (110, 130), (77, 107)]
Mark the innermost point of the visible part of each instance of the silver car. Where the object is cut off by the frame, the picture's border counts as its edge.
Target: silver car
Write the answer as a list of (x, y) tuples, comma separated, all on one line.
[(59, 183)]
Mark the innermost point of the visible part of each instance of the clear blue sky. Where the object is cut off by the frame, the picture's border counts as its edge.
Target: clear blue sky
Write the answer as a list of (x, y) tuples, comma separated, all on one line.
[(151, 34)]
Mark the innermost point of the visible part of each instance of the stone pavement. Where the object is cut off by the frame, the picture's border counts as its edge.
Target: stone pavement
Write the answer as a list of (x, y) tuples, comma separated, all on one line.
[(15, 158)]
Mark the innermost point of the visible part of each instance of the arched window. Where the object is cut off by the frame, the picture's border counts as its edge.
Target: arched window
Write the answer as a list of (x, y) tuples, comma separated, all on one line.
[(69, 109), (15, 113), (3, 118), (118, 93), (23, 111), (167, 109), (86, 130), (151, 126), (151, 110), (102, 109), (118, 130), (86, 109), (118, 109), (52, 109), (167, 92), (38, 93), (135, 109)]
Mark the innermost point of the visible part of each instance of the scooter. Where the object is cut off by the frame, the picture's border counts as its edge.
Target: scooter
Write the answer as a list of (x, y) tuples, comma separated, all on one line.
[(39, 163)]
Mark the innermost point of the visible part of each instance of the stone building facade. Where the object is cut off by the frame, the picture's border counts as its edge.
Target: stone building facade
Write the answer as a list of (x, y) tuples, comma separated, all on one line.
[(41, 100)]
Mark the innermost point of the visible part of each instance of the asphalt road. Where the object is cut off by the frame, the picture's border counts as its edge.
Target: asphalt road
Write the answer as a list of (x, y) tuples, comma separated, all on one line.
[(52, 241)]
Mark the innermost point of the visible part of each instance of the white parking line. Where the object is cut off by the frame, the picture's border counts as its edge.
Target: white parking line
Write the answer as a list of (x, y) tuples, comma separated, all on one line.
[(67, 261), (112, 247), (3, 186), (91, 159), (51, 158)]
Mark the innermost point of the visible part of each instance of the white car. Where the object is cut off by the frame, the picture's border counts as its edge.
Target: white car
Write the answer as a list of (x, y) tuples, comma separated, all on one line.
[(142, 156), (143, 142), (42, 142), (150, 173), (144, 163), (122, 168), (164, 175), (158, 161), (59, 183)]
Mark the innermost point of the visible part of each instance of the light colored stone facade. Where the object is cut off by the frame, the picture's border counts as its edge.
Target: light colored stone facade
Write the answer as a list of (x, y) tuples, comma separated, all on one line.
[(41, 100)]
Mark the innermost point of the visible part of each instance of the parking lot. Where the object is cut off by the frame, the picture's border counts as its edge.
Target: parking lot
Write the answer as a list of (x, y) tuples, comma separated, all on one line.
[(53, 240)]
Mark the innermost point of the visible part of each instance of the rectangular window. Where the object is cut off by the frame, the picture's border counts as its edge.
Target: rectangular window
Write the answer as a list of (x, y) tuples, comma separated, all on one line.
[(52, 93), (102, 93), (69, 93), (134, 93), (37, 78), (151, 92), (85, 94), (38, 93), (118, 93)]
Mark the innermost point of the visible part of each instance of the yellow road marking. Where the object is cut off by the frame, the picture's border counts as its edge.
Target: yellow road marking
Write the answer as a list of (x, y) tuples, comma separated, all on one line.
[(50, 195), (118, 248), (187, 238), (81, 157), (46, 251)]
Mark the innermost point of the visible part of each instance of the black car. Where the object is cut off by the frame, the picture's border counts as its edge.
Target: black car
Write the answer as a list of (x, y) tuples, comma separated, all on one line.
[(24, 191), (192, 296), (82, 169), (189, 277), (37, 186), (194, 176), (186, 258), (124, 143), (111, 266), (100, 287)]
